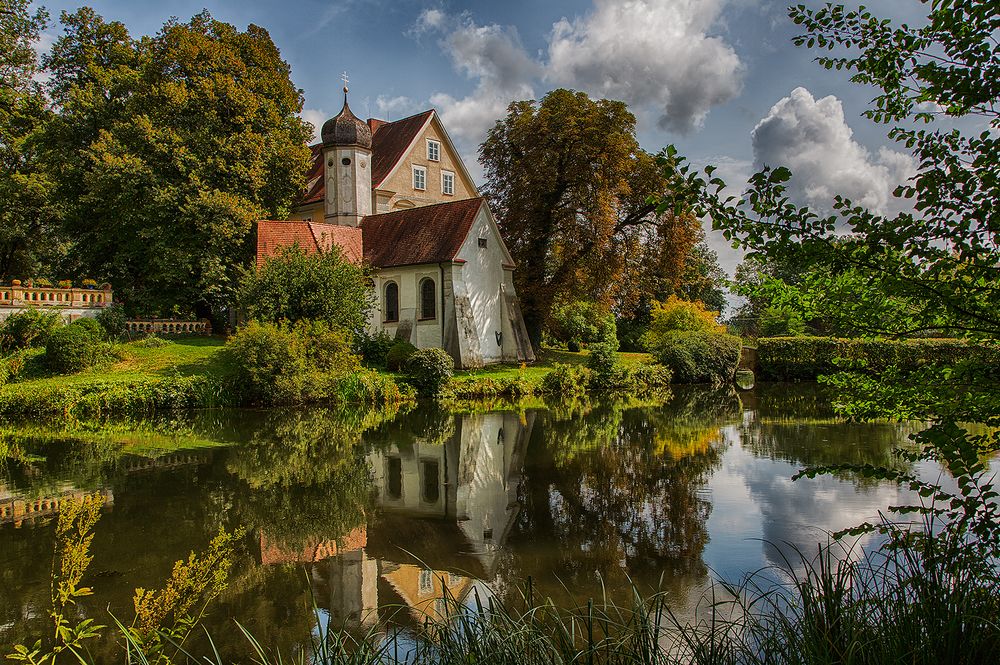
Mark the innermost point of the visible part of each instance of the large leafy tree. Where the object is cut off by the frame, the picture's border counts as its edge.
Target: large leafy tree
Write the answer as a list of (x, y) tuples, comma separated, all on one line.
[(167, 149), (569, 183), (28, 221)]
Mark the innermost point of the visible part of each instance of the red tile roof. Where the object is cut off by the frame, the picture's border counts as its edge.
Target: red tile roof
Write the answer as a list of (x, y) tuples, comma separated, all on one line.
[(389, 143), (426, 234), (310, 236)]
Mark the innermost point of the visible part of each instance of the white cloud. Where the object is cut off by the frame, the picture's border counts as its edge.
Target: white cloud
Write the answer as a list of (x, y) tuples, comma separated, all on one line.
[(494, 57), (811, 137), (650, 53), (394, 108), (315, 117)]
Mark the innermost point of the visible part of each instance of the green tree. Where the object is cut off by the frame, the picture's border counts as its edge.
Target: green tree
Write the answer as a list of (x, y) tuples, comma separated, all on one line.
[(167, 149), (29, 238), (569, 182), (294, 285)]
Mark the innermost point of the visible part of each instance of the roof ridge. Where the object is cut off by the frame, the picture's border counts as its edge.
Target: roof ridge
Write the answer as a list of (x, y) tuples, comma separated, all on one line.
[(409, 117), (479, 199)]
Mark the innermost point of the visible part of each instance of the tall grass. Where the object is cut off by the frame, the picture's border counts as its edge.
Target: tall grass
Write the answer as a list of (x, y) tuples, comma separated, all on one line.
[(916, 600)]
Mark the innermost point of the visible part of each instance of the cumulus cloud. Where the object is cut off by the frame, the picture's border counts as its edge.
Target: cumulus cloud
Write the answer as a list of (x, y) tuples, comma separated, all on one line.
[(316, 118), (494, 57), (394, 108), (651, 54), (811, 137)]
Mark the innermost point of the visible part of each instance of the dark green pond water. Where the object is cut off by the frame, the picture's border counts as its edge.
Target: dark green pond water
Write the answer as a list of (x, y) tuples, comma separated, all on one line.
[(362, 511)]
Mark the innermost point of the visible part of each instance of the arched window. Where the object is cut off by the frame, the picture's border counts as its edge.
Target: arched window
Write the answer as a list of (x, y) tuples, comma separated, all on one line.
[(391, 302), (427, 299)]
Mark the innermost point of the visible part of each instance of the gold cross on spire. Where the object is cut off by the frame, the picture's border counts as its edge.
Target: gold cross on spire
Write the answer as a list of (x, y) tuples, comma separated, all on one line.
[(345, 79)]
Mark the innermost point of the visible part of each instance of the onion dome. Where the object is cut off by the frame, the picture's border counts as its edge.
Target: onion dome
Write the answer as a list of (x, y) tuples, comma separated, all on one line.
[(347, 129)]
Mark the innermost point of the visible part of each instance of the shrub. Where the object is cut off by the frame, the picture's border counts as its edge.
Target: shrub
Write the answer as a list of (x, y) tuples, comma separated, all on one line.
[(27, 328), (152, 341), (698, 356), (399, 353), (12, 365), (806, 358), (605, 370), (429, 369), (566, 380), (373, 349), (75, 347), (582, 322), (290, 364), (676, 315), (296, 286), (113, 320), (91, 326)]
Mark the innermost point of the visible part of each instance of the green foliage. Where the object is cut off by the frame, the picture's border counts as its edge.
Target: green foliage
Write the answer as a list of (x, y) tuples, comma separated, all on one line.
[(290, 363), (114, 321), (680, 315), (605, 370), (781, 320), (568, 180), (807, 358), (373, 349), (568, 380), (428, 370), (295, 285), (698, 356), (399, 353), (166, 149), (27, 328), (13, 364), (75, 347), (583, 322)]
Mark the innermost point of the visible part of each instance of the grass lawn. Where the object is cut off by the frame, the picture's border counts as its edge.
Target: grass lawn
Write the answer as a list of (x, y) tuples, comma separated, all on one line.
[(187, 356), (547, 359)]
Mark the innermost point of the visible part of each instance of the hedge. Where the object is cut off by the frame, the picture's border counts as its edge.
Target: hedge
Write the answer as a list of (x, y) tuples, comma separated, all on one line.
[(806, 358), (698, 356)]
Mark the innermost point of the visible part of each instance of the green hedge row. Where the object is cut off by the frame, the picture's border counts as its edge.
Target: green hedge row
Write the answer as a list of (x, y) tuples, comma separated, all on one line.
[(806, 358)]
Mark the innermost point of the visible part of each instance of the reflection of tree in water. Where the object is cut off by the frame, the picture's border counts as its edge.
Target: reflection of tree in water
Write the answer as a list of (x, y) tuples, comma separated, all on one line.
[(615, 490), (796, 423), (304, 475)]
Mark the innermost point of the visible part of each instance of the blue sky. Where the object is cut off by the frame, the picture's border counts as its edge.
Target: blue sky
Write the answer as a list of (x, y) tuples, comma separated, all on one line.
[(718, 78)]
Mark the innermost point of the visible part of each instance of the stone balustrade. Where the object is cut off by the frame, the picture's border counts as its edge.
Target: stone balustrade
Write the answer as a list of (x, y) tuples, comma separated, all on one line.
[(18, 510), (169, 327), (20, 297)]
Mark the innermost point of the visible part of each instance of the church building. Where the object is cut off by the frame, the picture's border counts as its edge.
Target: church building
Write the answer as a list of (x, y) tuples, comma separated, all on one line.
[(397, 196)]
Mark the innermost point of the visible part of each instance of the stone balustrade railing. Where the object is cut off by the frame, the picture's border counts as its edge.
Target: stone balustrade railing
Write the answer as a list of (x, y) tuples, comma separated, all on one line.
[(169, 327), (20, 296)]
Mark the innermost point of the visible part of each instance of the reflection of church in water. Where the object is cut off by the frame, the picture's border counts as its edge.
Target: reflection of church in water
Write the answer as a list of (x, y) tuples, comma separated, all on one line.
[(446, 502)]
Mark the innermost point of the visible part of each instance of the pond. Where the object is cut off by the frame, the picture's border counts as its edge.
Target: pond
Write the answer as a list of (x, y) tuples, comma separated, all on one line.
[(361, 512)]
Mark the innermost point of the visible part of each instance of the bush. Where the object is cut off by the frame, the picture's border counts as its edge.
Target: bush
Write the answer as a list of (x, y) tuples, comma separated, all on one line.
[(806, 358), (290, 364), (296, 286), (566, 380), (605, 371), (676, 315), (373, 349), (27, 328), (75, 347), (12, 365), (114, 322), (429, 369), (399, 353), (698, 356), (583, 322)]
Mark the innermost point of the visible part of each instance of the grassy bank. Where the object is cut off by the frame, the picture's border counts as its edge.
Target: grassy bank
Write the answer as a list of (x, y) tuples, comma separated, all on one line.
[(190, 373)]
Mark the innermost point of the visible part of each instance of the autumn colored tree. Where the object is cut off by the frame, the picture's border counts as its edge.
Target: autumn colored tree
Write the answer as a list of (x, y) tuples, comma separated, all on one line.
[(167, 149), (569, 182), (28, 222)]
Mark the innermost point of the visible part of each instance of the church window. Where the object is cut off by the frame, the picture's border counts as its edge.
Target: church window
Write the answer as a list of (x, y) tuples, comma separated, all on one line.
[(419, 177), (394, 487), (427, 299), (447, 182), (391, 302), (430, 472), (426, 582), (433, 150), (483, 242), (346, 161)]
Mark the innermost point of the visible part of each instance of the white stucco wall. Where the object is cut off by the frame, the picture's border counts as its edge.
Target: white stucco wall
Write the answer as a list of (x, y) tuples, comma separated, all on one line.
[(483, 275), (426, 333)]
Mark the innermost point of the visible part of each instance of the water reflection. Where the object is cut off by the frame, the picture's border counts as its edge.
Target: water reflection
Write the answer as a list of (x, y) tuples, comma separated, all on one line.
[(361, 512)]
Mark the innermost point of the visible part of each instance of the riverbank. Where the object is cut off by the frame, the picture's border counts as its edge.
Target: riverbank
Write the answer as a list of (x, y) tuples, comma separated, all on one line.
[(193, 373)]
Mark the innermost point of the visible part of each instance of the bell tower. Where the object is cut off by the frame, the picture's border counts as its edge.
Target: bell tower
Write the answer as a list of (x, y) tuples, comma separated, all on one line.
[(347, 159)]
